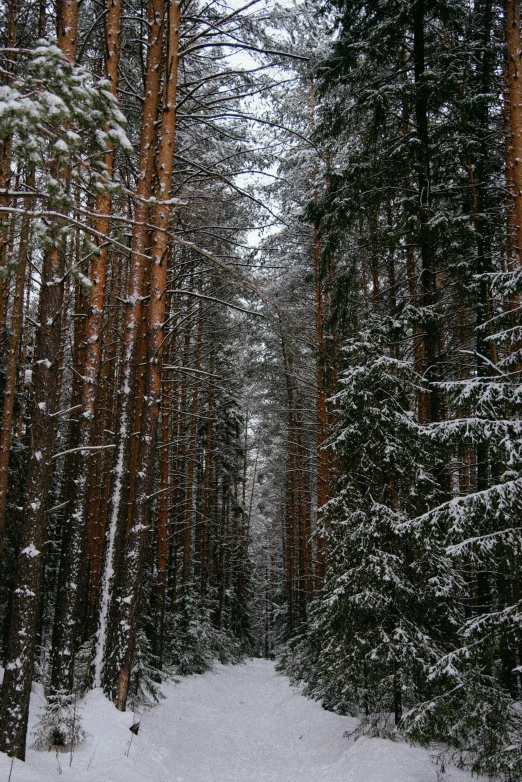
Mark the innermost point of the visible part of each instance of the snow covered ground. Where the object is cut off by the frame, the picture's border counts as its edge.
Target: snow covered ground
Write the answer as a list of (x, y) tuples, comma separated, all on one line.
[(241, 723)]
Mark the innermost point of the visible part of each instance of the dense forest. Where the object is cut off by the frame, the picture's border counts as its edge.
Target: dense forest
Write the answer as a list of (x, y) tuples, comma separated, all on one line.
[(261, 356)]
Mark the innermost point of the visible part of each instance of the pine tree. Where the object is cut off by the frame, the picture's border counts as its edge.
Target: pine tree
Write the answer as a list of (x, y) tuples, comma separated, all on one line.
[(384, 614)]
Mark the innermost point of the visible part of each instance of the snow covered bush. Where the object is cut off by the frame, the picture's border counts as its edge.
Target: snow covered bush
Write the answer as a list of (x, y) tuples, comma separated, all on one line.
[(146, 676), (195, 641), (59, 726)]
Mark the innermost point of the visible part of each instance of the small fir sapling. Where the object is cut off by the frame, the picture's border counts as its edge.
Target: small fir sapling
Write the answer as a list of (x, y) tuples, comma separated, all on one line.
[(146, 677), (59, 726)]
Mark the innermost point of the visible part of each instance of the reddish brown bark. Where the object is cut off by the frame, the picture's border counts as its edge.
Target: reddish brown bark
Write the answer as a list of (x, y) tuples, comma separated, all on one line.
[(128, 614), (87, 355), (162, 539), (11, 367), (67, 27), (133, 317), (207, 486), (323, 473), (189, 493), (46, 380)]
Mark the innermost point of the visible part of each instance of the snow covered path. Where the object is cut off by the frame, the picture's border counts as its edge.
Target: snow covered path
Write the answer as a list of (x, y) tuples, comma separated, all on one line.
[(241, 723)]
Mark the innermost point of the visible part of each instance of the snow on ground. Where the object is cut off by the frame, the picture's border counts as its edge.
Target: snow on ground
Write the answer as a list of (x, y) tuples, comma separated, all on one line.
[(241, 723)]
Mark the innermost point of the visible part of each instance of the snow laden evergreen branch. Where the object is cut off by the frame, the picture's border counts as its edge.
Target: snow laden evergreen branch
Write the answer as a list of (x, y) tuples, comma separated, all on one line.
[(57, 97), (483, 544), (460, 515), (62, 121), (505, 282), (489, 418)]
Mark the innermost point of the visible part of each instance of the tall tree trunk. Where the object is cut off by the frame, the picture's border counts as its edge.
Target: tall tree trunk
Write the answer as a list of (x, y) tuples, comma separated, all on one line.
[(133, 315), (207, 484), (289, 536), (162, 540), (191, 456), (11, 368), (162, 532), (323, 472), (67, 27), (513, 88), (128, 613), (6, 149), (99, 478), (16, 688), (431, 326), (66, 635), (180, 462), (14, 700)]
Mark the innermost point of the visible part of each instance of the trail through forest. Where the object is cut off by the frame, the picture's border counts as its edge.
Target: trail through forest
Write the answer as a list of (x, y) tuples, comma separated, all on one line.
[(241, 723)]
